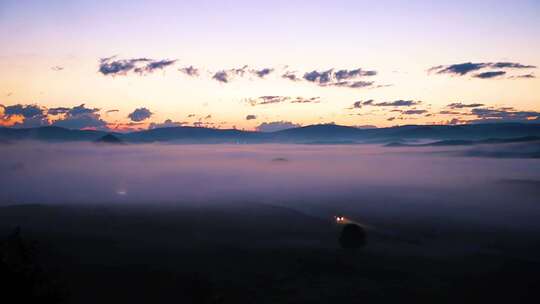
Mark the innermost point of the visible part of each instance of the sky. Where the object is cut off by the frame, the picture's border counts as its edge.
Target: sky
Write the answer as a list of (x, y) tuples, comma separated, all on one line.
[(266, 65)]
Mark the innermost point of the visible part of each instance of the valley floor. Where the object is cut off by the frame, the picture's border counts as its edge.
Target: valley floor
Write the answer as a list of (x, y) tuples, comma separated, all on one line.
[(252, 253)]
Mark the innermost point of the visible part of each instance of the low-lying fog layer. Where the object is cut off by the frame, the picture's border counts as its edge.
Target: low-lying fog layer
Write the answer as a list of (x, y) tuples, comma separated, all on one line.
[(357, 180)]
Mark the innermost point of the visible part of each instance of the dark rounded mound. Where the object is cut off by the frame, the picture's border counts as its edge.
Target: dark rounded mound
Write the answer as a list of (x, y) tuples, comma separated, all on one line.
[(109, 139), (352, 237)]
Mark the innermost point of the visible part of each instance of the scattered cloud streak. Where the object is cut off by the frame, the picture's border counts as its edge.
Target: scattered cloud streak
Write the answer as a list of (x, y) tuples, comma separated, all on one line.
[(524, 76), (414, 112), (339, 78), (504, 115), (154, 65), (461, 69), (262, 72), (221, 76), (190, 71), (225, 76), (114, 67), (459, 105), (292, 76), (395, 103), (265, 100), (490, 74)]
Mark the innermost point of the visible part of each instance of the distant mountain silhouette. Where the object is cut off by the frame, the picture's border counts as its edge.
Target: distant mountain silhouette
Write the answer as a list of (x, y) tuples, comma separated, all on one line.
[(109, 139), (50, 133), (189, 135), (314, 134), (457, 142)]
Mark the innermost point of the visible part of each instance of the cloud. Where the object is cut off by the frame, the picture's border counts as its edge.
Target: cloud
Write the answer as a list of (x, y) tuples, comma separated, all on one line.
[(27, 111), (140, 114), (251, 117), (23, 116), (82, 121), (306, 100), (364, 127), (112, 66), (155, 65), (356, 105), (225, 76), (81, 117), (490, 74), (239, 71), (459, 105), (511, 65), (458, 69), (348, 74), (276, 126), (454, 121), (262, 72), (81, 110), (58, 110), (414, 112), (166, 124), (467, 67), (290, 76), (265, 100), (446, 112), (30, 116), (190, 71), (352, 84), (108, 66), (396, 103), (321, 78), (221, 76), (504, 115), (524, 76), (339, 78)]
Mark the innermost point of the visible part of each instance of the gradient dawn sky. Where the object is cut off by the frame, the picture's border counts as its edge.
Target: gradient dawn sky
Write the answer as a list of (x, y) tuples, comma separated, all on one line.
[(267, 64)]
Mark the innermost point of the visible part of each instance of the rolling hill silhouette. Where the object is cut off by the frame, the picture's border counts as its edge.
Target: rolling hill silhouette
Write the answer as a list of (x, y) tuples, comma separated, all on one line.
[(321, 134)]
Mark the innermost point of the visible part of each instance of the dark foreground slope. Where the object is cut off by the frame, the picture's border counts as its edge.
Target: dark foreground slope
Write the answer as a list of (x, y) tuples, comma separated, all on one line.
[(249, 253)]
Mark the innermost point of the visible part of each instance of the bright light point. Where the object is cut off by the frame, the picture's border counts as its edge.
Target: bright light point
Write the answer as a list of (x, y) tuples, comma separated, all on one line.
[(121, 192)]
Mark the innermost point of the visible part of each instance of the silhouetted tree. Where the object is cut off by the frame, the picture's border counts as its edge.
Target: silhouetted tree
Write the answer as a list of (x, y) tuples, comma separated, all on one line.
[(352, 237), (21, 277)]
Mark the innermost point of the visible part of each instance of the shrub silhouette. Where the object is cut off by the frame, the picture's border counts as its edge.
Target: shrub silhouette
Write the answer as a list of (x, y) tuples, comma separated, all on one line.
[(21, 277), (352, 237)]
